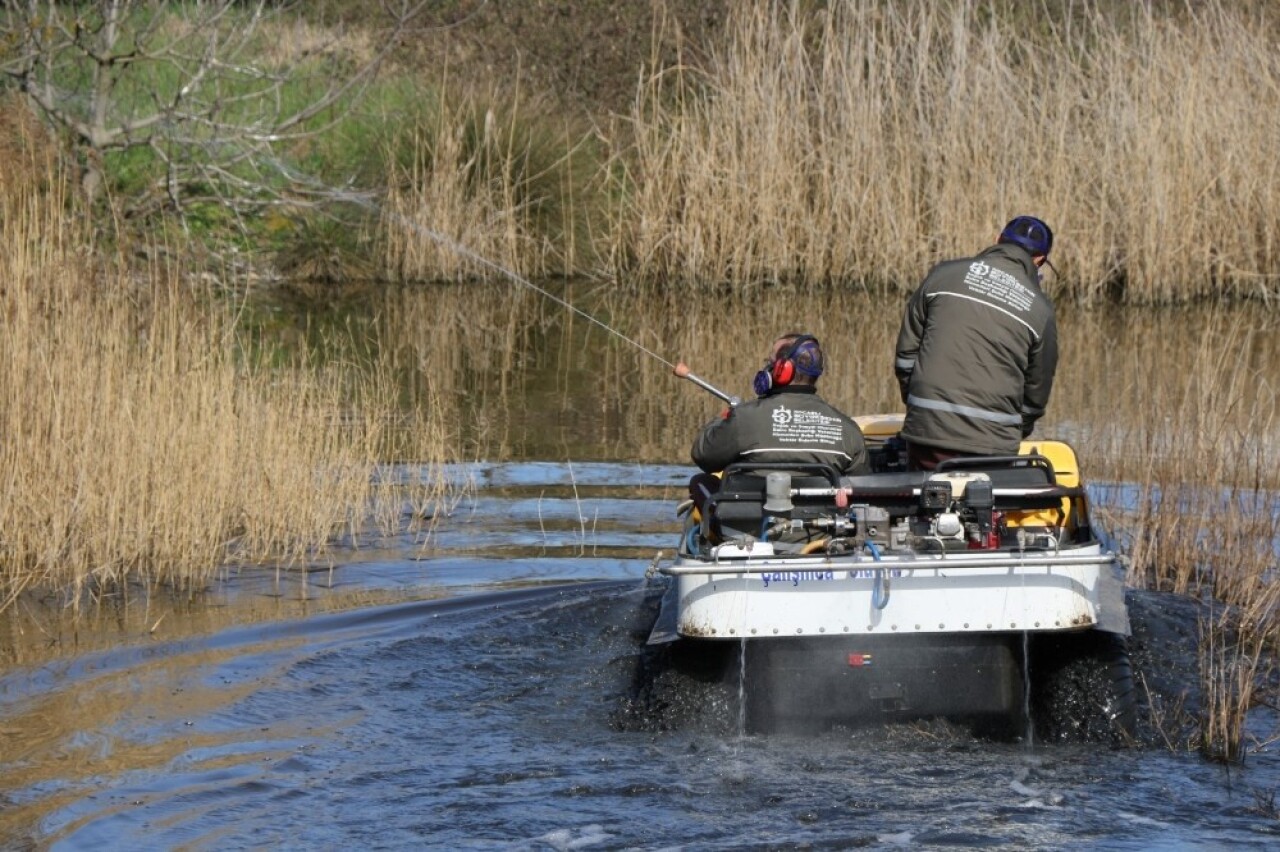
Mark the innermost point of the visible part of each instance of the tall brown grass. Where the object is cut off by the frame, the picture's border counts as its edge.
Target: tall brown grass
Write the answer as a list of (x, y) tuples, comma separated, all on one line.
[(142, 443), (482, 184), (858, 143), (1186, 411), (1194, 429)]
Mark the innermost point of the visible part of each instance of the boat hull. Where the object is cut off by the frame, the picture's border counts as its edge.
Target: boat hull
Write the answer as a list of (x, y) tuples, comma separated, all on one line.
[(975, 592), (978, 591), (808, 684)]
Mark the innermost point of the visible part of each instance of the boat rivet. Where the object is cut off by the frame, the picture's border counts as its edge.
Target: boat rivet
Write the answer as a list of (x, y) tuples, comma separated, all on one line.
[(822, 630), (917, 627), (799, 630), (988, 626), (1037, 624), (732, 631), (775, 631), (893, 627), (753, 631), (966, 625), (1013, 624), (942, 627)]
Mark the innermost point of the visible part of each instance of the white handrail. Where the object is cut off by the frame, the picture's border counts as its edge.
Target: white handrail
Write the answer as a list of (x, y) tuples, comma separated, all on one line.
[(929, 561)]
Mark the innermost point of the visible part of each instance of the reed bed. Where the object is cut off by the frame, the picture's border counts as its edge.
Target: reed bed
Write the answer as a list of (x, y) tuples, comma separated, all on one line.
[(143, 444), (478, 185), (1194, 432), (859, 143)]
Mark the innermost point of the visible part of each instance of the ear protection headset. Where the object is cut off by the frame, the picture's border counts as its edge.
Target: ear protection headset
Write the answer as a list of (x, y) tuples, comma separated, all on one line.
[(781, 371)]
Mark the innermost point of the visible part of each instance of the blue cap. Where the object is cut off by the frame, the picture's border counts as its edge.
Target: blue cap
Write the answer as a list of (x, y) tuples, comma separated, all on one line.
[(808, 358), (1030, 233)]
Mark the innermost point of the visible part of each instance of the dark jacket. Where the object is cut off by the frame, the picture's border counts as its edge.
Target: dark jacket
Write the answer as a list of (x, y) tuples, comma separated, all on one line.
[(791, 424), (976, 353)]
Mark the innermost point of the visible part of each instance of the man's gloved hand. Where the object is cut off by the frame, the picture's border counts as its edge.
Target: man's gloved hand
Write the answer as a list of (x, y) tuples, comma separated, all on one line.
[(1028, 425)]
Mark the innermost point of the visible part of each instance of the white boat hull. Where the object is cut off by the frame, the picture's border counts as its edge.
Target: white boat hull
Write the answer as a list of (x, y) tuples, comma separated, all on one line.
[(979, 592), (761, 596)]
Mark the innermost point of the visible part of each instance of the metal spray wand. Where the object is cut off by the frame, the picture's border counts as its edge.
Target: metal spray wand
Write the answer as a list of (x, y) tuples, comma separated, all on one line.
[(682, 371)]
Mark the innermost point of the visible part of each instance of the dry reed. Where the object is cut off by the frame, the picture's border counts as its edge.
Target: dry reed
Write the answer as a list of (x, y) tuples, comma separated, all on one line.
[(141, 444), (481, 178), (1194, 428), (861, 142), (1234, 661)]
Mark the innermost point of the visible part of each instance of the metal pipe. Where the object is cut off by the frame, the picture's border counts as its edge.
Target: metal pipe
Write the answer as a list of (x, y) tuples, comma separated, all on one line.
[(854, 493), (682, 371), (770, 564)]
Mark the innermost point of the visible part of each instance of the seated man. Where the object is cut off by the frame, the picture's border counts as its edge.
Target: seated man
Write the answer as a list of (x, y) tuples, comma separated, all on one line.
[(787, 423)]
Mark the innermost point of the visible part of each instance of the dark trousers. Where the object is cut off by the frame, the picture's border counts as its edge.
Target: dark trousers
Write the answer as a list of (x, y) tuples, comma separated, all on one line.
[(701, 487)]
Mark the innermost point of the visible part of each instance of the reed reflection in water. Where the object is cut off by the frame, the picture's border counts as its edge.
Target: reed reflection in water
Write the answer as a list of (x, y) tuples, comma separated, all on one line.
[(1135, 386), (1178, 405)]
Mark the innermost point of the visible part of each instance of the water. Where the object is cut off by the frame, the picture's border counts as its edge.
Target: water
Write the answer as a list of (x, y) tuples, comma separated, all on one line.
[(514, 709)]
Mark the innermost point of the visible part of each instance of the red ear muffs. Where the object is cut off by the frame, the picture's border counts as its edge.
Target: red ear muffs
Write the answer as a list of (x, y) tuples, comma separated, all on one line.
[(783, 371)]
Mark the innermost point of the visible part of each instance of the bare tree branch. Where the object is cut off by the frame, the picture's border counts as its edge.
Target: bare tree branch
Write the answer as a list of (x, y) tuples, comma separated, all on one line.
[(212, 89)]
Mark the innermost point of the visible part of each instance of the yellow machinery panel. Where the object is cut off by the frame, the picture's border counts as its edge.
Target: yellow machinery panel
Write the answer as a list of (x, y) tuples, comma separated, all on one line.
[(1066, 471), (879, 427)]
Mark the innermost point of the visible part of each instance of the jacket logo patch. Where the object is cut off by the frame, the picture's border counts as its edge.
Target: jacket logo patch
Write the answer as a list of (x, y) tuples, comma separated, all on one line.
[(791, 426), (998, 286)]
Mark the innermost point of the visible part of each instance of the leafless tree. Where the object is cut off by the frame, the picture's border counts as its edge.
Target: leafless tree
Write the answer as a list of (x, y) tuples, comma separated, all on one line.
[(218, 90)]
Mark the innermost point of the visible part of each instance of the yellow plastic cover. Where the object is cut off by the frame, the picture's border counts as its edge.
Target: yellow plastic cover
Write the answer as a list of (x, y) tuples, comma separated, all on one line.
[(1066, 471), (879, 427)]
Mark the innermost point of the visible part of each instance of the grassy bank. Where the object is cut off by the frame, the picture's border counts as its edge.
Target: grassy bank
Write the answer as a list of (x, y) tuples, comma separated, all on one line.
[(856, 144)]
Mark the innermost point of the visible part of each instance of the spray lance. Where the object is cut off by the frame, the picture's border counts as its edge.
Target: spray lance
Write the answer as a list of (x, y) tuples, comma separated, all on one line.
[(682, 371)]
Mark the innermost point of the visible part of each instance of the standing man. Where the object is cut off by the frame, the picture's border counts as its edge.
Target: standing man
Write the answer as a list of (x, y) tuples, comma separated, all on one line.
[(787, 422), (978, 349)]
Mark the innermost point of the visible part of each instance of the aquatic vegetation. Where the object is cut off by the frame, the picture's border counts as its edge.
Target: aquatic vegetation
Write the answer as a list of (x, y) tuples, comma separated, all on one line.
[(818, 146), (857, 144), (144, 440), (489, 175)]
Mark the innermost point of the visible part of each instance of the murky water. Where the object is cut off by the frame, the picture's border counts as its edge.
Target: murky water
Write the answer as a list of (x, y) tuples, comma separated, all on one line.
[(502, 711)]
